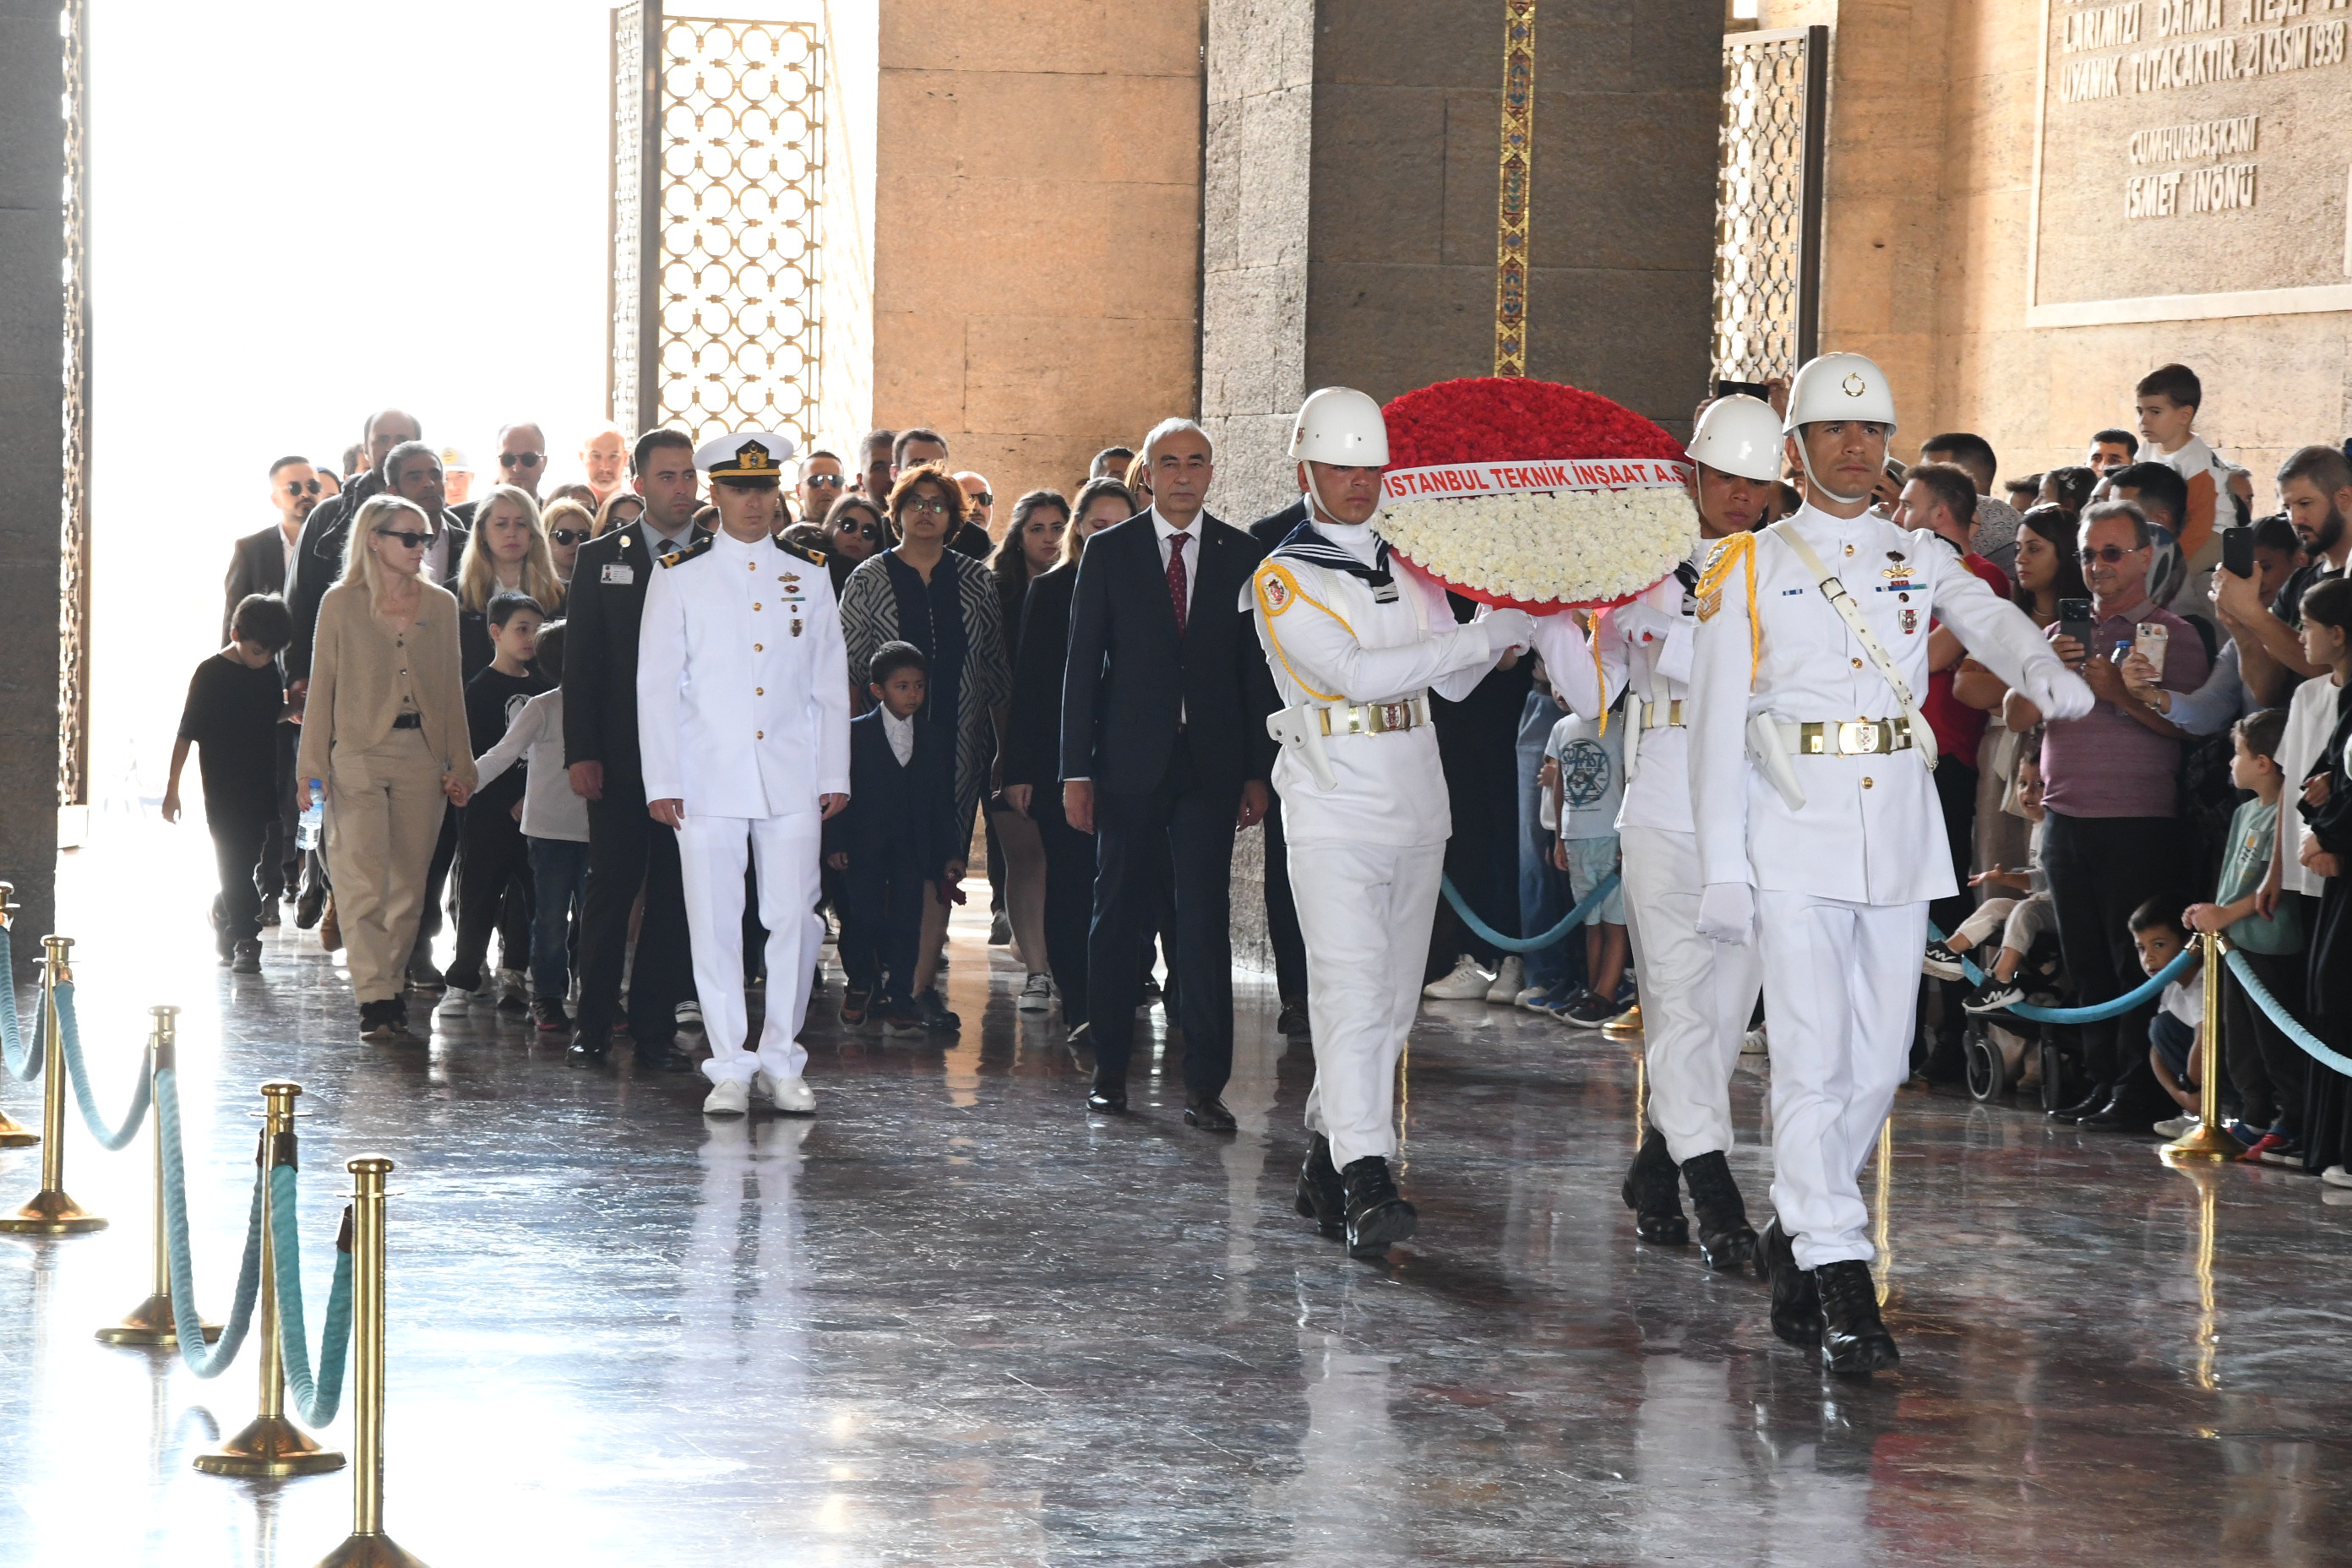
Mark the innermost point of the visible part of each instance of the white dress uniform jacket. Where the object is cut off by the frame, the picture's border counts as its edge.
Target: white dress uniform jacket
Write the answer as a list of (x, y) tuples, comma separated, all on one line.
[(743, 705)]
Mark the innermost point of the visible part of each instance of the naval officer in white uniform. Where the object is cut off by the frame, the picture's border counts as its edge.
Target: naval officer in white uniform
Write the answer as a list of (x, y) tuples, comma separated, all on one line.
[(1818, 831), (743, 718), (1357, 644), (1697, 996)]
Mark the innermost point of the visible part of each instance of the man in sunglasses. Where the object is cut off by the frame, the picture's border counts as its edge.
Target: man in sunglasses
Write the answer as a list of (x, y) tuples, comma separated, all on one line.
[(521, 461), (822, 481), (259, 564)]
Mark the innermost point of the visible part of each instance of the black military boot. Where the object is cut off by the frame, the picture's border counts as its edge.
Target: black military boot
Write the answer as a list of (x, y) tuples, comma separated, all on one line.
[(1322, 1195), (1854, 1341), (1376, 1215), (1726, 1239), (1796, 1302), (1653, 1191)]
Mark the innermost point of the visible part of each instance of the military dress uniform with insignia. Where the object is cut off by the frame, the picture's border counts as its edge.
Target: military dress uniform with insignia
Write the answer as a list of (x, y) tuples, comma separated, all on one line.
[(1356, 644), (743, 714), (1819, 828)]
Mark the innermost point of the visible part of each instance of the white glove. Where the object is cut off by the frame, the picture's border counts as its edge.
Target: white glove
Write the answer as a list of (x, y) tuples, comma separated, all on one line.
[(2058, 691), (1507, 629), (1727, 913)]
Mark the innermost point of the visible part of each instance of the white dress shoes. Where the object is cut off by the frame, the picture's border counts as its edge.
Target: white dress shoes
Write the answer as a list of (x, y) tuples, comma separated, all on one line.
[(792, 1096), (727, 1097)]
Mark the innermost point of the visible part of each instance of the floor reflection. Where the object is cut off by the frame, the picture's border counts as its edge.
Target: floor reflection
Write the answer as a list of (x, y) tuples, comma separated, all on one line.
[(951, 1320)]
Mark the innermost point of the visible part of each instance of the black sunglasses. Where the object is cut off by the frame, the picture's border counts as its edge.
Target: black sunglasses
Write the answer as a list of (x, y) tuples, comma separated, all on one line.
[(296, 488), (982, 498), (863, 529), (522, 459), (412, 540), (569, 535), (823, 481), (2111, 553)]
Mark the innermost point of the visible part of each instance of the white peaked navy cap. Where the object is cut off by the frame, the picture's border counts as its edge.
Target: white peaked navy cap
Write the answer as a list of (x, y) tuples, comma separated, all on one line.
[(1840, 386), (1738, 434), (749, 455), (1343, 426)]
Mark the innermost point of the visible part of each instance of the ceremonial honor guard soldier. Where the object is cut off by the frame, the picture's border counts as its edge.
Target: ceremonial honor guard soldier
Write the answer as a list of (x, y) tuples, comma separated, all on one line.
[(1697, 996), (1356, 647), (743, 720), (1819, 832)]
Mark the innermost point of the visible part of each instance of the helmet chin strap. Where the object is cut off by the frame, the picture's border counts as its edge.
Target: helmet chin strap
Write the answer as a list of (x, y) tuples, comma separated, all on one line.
[(1805, 457), (1317, 510)]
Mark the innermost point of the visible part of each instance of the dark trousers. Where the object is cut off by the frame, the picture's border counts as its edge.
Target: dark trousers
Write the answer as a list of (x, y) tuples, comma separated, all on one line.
[(1182, 830), (559, 882), (281, 863), (882, 924), (1955, 792), (1482, 855), (493, 879), (2267, 1066), (1281, 911), (437, 881), (2101, 868), (628, 850), (237, 837), (1069, 899)]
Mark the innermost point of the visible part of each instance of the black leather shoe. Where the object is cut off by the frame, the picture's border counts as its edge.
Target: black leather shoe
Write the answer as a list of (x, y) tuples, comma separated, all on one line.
[(1854, 1341), (1726, 1239), (662, 1055), (1209, 1115), (2090, 1104), (1796, 1298), (1322, 1195), (1653, 1191), (2124, 1113), (309, 907), (1107, 1096), (1293, 1024), (1377, 1215), (587, 1050)]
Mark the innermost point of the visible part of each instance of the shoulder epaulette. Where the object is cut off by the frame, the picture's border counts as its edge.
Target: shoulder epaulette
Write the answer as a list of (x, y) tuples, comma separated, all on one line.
[(1738, 550), (814, 557), (672, 557)]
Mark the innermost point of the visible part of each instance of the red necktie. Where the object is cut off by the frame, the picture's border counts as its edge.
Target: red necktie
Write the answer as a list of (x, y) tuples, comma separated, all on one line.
[(1176, 543)]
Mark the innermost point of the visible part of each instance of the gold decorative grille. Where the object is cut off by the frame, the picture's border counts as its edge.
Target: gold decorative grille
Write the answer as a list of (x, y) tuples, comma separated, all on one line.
[(734, 244), (73, 541), (1768, 202), (1516, 157)]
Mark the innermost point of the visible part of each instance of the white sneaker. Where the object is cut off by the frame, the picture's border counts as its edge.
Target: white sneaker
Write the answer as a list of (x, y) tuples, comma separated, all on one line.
[(689, 1013), (514, 988), (1468, 983), (1036, 994), (1510, 979), (1000, 929), (727, 1097), (2174, 1126), (2336, 1176), (1752, 1044), (792, 1096), (1529, 995)]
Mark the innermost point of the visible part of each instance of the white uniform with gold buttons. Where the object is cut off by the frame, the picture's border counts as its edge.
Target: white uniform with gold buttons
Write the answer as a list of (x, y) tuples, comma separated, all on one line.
[(1842, 882), (743, 713), (1349, 633)]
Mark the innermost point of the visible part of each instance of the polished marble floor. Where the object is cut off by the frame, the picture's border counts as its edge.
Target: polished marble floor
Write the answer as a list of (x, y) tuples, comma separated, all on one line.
[(952, 1322)]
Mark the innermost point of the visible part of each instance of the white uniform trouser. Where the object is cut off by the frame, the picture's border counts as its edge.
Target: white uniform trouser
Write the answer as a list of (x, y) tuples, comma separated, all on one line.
[(1697, 996), (1841, 991), (711, 856), (1365, 910)]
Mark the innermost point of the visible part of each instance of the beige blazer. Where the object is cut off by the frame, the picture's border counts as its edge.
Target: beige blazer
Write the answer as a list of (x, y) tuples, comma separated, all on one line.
[(362, 674)]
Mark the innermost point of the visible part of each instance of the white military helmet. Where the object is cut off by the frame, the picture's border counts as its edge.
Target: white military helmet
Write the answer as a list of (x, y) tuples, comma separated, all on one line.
[(1738, 434), (1840, 387), (1343, 426)]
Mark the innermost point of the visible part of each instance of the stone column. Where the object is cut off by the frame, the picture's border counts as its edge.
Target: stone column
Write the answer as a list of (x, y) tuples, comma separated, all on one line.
[(32, 331)]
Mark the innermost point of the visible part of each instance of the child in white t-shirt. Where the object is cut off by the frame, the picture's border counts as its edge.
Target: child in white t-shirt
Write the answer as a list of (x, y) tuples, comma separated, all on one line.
[(2175, 1044), (1587, 785)]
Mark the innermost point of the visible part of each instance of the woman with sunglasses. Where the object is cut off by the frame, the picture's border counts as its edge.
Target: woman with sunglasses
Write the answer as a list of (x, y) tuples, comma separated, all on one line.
[(855, 529), (620, 509), (1032, 752), (1031, 546), (505, 553), (568, 525), (945, 603), (384, 730)]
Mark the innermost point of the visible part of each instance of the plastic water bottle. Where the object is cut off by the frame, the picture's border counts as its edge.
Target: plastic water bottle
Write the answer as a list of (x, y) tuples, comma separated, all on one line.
[(311, 831)]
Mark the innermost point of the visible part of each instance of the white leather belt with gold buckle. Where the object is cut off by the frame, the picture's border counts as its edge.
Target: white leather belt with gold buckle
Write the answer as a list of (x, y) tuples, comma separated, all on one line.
[(1662, 715), (1848, 738), (1374, 718)]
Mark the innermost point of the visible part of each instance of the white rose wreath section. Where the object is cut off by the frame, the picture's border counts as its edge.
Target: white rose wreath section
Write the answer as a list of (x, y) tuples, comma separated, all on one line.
[(1586, 545)]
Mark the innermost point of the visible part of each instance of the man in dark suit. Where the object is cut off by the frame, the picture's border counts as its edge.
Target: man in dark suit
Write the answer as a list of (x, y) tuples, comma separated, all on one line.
[(258, 565), (1281, 910), (1164, 745), (627, 848)]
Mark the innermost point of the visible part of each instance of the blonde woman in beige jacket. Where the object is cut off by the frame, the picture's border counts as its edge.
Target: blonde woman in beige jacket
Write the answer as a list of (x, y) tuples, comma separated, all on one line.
[(385, 729)]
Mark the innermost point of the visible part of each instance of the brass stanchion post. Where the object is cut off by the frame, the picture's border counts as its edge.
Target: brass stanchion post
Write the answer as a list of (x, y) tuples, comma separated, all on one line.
[(152, 1322), (51, 1211), (13, 1134), (271, 1445), (368, 1546), (2208, 1139)]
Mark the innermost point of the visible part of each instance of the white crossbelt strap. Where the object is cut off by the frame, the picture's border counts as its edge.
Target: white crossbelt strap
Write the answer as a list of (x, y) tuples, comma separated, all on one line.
[(1922, 737)]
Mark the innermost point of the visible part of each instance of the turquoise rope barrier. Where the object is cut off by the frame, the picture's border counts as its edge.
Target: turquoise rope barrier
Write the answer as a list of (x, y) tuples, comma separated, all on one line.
[(2147, 991), (24, 1064), (205, 1360), (69, 1040), (2286, 1021), (316, 1399), (1569, 922)]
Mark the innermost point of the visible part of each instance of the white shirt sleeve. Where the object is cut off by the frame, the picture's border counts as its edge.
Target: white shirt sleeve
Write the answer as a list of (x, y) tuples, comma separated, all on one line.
[(1720, 682), (527, 728), (1324, 656), (829, 700), (661, 663)]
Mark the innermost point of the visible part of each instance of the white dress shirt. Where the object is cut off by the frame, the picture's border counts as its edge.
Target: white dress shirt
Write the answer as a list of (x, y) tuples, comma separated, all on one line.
[(1164, 531), (900, 733)]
